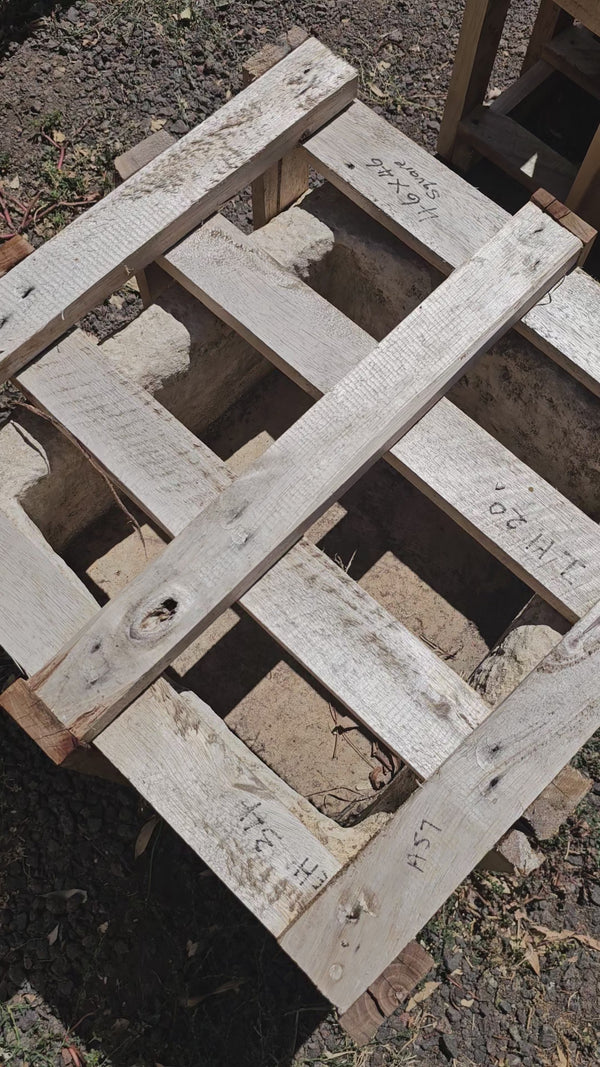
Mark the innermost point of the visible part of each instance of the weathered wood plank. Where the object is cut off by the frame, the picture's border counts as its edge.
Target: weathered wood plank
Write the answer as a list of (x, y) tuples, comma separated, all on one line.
[(386, 677), (566, 328), (99, 251), (259, 517), (426, 205), (521, 89), (508, 508), (384, 897), (37, 587), (252, 829), (550, 20), (518, 152)]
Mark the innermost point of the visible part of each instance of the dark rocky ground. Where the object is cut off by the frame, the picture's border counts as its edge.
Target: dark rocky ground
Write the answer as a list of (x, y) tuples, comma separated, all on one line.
[(151, 961)]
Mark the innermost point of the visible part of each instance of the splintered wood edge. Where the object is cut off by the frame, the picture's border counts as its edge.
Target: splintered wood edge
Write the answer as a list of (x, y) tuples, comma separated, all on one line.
[(562, 214), (33, 716)]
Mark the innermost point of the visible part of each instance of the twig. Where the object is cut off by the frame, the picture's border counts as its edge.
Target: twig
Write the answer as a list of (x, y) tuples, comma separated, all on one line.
[(6, 214), (91, 459), (41, 214)]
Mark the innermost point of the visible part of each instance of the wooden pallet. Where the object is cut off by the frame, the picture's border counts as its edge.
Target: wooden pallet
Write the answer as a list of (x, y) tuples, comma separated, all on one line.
[(556, 44), (94, 676)]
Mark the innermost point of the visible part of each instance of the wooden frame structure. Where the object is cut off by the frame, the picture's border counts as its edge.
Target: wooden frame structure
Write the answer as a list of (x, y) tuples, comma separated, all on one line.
[(469, 127), (94, 676)]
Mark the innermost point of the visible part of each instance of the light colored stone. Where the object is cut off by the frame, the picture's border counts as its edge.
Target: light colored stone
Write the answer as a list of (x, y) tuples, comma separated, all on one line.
[(530, 637), (513, 855)]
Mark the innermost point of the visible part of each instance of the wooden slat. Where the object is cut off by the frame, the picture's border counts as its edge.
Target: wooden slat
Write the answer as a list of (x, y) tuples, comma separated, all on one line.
[(566, 328), (243, 820), (386, 677), (576, 53), (98, 252), (255, 520), (508, 508), (380, 900), (518, 152), (128, 163)]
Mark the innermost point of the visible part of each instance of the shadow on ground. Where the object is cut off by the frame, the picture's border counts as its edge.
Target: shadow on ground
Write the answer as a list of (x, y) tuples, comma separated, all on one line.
[(151, 959)]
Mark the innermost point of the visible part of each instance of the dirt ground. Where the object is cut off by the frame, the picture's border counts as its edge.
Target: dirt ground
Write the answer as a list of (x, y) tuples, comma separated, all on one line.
[(110, 960)]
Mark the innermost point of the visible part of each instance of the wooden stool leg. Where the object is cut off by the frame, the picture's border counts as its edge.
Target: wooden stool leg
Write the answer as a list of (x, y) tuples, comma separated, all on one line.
[(480, 34), (551, 19), (584, 197)]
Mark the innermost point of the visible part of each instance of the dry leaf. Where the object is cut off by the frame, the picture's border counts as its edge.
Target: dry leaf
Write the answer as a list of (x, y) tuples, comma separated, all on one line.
[(423, 994), (377, 91), (52, 936), (567, 935), (233, 983), (143, 838), (533, 959), (66, 894), (157, 124), (58, 136), (467, 1003)]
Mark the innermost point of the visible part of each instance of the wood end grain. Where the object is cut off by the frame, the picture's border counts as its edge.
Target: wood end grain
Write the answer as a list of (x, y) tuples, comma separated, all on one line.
[(550, 205), (35, 718), (363, 1018)]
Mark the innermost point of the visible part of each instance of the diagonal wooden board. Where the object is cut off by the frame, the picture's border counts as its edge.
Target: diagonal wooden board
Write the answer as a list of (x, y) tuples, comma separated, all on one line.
[(445, 220), (506, 506), (99, 251), (385, 896), (255, 520), (414, 702), (254, 831)]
